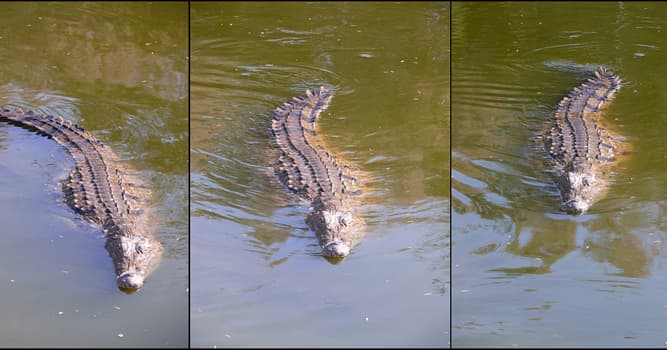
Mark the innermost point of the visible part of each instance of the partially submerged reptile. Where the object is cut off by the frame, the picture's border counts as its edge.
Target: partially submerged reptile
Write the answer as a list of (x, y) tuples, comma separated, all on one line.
[(99, 190), (308, 169), (581, 152)]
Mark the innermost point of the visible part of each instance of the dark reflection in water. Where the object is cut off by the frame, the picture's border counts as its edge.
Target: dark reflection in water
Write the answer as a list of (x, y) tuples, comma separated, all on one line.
[(115, 46), (524, 273)]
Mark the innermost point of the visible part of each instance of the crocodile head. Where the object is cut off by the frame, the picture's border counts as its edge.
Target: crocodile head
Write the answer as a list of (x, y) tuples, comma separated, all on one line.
[(334, 228), (336, 242), (135, 257), (579, 189)]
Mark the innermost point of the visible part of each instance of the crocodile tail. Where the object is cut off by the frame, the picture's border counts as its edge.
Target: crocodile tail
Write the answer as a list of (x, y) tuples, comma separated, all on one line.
[(614, 80)]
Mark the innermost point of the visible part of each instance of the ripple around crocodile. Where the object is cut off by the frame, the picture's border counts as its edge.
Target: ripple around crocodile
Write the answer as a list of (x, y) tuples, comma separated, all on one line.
[(99, 190), (581, 151), (308, 169)]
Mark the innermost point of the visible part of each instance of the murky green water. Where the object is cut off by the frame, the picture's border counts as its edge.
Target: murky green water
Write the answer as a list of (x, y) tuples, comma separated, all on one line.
[(257, 278), (120, 71), (525, 274)]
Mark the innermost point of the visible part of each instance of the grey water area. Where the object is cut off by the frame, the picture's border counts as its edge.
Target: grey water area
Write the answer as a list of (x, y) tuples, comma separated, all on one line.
[(57, 281)]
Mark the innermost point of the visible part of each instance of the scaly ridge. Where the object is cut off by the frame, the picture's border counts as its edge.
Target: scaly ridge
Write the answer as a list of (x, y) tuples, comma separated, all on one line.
[(98, 190), (309, 170), (580, 149)]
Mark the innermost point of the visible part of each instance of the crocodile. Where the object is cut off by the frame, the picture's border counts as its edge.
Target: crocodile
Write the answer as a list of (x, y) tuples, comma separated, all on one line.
[(582, 152), (308, 169), (102, 192)]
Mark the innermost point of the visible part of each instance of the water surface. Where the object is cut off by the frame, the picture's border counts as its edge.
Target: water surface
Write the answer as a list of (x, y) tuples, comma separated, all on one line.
[(524, 273), (258, 278), (120, 71)]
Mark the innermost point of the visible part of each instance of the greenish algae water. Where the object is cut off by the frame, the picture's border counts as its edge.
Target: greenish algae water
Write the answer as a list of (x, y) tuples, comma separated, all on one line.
[(524, 273), (257, 276), (120, 71)]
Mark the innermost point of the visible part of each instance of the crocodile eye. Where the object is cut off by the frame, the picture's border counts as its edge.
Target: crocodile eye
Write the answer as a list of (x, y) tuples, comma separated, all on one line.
[(345, 219), (139, 247)]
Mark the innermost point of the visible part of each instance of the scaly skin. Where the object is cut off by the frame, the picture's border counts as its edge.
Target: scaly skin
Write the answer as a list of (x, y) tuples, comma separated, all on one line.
[(308, 169), (98, 190), (582, 152)]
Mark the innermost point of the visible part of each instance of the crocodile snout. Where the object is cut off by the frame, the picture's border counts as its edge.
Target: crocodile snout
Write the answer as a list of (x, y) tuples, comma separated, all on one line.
[(575, 206), (336, 249), (130, 280)]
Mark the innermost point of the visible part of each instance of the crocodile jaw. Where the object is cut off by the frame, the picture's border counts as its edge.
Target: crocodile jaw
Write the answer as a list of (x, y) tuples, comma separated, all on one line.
[(130, 280), (336, 249), (575, 206)]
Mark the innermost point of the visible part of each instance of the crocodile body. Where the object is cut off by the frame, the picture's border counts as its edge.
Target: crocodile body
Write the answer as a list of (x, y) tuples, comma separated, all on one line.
[(99, 190), (581, 151), (308, 169)]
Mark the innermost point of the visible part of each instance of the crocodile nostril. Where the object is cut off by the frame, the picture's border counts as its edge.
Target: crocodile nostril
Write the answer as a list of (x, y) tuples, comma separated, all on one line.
[(336, 249)]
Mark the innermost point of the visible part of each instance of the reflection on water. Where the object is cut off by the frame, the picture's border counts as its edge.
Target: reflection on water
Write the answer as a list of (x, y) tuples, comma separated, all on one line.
[(92, 46), (257, 271), (524, 273), (120, 71)]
